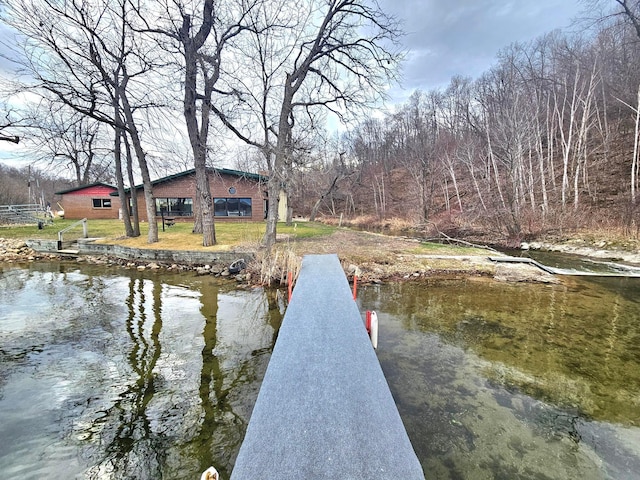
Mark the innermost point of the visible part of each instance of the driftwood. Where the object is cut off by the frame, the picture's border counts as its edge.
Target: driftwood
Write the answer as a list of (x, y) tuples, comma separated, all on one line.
[(460, 242)]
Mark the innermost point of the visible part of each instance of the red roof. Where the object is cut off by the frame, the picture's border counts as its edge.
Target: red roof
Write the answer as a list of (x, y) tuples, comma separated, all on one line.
[(93, 190)]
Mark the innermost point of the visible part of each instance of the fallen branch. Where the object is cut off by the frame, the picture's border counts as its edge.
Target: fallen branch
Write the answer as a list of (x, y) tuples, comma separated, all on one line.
[(461, 242)]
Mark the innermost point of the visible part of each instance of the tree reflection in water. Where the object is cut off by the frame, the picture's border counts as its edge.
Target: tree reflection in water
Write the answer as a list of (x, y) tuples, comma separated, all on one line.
[(132, 450), (162, 425)]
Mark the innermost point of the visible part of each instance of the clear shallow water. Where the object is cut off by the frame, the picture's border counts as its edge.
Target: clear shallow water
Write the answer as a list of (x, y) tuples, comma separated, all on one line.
[(126, 375), (515, 381), (111, 374)]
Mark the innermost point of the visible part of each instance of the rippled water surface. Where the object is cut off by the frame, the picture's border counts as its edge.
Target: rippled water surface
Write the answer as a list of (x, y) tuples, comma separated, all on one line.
[(515, 381), (126, 375), (115, 374)]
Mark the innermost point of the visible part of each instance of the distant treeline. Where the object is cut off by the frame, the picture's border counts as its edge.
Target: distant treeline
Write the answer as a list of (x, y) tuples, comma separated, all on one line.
[(28, 185)]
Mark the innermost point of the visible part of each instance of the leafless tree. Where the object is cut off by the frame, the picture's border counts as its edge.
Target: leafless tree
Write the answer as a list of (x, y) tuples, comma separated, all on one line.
[(87, 56), (64, 139), (202, 32), (334, 55)]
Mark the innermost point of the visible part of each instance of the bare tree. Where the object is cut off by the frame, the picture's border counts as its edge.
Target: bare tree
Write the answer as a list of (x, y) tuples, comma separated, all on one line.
[(202, 37), (337, 58), (87, 56), (64, 139)]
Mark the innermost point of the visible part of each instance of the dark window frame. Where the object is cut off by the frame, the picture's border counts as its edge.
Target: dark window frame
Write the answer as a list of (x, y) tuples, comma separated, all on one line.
[(174, 206), (233, 207), (101, 203)]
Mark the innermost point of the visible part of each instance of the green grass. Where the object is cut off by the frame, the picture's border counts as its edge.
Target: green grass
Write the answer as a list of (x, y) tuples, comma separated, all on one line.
[(305, 229), (428, 248), (178, 236)]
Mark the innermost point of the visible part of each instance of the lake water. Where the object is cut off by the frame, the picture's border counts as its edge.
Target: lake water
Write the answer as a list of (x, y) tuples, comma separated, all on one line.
[(119, 374), (111, 373)]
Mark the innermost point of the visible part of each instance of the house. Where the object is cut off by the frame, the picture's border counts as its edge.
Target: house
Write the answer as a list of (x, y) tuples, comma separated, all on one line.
[(94, 201), (236, 195)]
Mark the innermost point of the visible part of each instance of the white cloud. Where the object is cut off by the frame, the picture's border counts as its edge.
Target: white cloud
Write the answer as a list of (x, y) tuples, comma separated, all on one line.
[(462, 37)]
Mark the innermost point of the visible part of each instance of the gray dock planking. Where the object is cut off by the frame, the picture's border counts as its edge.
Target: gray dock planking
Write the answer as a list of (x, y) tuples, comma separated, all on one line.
[(324, 410)]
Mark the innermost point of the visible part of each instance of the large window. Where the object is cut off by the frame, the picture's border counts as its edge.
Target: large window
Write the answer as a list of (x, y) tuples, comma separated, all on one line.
[(174, 207), (232, 207), (101, 202)]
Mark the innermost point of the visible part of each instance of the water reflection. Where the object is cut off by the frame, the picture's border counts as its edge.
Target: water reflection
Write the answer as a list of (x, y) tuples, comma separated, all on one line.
[(126, 375), (514, 381)]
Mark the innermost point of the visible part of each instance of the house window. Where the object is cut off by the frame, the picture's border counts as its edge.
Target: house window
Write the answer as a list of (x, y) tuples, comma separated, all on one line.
[(174, 207), (101, 202), (232, 207)]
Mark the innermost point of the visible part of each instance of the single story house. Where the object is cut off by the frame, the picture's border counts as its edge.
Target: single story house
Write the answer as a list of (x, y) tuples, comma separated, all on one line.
[(236, 195), (94, 201)]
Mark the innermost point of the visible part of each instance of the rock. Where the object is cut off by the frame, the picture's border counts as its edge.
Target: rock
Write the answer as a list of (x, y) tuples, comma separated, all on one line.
[(522, 273), (202, 271), (525, 246), (217, 269), (225, 273), (153, 266), (141, 268)]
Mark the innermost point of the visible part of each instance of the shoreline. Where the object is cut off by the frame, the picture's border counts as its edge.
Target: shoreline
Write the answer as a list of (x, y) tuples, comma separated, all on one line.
[(373, 258), (273, 271)]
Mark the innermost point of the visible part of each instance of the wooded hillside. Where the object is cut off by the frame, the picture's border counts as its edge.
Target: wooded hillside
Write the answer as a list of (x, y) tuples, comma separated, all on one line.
[(546, 139)]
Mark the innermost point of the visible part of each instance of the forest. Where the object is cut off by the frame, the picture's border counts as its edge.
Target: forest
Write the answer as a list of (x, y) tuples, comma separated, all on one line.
[(544, 142)]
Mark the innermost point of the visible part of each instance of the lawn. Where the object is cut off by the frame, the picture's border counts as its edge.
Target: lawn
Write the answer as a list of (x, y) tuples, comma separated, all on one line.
[(177, 237)]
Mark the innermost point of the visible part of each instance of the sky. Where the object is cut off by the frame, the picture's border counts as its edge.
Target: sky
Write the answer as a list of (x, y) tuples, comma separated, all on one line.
[(445, 38)]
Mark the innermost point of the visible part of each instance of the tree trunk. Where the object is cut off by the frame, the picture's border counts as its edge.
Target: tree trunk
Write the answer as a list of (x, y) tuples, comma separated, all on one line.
[(206, 206), (634, 160), (204, 209), (124, 204), (273, 189), (152, 236), (135, 213)]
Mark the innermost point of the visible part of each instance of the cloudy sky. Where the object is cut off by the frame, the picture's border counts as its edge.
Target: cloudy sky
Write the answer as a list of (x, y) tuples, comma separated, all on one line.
[(462, 37), (453, 37)]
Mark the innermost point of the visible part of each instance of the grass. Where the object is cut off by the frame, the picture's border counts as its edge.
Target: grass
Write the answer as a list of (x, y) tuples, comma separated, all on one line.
[(429, 248), (176, 237)]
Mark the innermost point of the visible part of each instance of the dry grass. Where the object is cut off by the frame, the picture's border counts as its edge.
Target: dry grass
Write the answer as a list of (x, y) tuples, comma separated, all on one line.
[(373, 255)]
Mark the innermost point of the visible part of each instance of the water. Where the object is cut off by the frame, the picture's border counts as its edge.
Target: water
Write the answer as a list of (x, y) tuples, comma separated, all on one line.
[(121, 374), (126, 375), (515, 381)]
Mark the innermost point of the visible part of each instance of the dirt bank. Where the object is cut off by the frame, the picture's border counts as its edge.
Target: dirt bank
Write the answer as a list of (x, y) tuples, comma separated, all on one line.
[(374, 258)]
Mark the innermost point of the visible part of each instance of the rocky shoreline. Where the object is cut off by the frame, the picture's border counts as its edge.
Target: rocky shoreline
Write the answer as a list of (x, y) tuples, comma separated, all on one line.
[(17, 251), (403, 267)]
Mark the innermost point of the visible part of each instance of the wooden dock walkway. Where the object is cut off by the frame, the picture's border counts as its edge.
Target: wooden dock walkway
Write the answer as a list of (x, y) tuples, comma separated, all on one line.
[(325, 410)]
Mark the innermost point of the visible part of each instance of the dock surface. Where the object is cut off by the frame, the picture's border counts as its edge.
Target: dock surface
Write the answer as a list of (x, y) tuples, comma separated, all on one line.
[(325, 410)]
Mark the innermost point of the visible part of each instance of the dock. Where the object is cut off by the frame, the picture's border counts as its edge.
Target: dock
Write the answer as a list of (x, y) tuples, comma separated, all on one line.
[(324, 410), (628, 272)]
